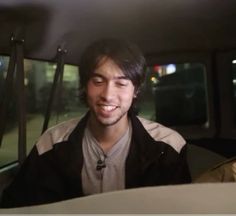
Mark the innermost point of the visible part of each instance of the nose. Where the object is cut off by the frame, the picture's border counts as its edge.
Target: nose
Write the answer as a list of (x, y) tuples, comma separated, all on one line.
[(108, 92)]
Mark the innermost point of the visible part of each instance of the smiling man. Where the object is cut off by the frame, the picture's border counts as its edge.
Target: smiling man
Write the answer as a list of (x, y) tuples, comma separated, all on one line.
[(110, 148)]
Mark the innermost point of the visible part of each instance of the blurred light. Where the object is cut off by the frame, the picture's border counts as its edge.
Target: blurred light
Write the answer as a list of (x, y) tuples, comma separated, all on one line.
[(156, 68), (154, 80), (170, 69), (234, 81), (26, 81), (234, 61)]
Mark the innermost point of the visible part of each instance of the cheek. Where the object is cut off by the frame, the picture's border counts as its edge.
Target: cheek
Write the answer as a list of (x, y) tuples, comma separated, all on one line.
[(128, 96), (90, 96), (91, 91)]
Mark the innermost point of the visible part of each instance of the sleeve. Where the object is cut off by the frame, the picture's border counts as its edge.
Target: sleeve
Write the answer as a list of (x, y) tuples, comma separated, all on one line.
[(174, 167), (181, 172), (223, 172), (30, 187)]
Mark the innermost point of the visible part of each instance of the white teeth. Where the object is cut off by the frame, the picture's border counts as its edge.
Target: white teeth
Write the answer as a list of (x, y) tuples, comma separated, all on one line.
[(108, 108)]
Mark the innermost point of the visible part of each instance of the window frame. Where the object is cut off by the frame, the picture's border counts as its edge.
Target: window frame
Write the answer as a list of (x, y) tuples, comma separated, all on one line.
[(227, 113)]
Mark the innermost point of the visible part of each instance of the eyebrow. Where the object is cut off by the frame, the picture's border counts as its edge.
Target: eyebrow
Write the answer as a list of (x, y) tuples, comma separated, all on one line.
[(117, 78)]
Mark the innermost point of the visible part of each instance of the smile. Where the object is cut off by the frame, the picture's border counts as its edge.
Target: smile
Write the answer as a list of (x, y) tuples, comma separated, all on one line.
[(108, 108)]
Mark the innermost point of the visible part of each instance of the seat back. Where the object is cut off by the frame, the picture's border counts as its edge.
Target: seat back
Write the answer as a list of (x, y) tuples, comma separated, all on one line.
[(200, 160)]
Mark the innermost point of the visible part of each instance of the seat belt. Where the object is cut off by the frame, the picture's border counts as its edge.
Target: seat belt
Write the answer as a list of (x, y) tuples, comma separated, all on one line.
[(59, 98), (21, 100), (58, 76)]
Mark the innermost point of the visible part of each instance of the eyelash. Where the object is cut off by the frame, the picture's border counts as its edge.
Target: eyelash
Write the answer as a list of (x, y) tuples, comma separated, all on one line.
[(122, 84), (98, 81)]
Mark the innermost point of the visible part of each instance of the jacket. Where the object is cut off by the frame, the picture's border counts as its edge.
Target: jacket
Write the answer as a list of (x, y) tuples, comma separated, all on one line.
[(222, 172), (52, 171)]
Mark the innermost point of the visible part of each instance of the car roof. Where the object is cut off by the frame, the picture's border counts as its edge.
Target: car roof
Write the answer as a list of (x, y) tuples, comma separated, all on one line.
[(156, 26)]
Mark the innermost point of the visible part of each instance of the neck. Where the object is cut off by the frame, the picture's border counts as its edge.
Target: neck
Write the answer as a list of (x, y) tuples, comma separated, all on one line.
[(107, 136)]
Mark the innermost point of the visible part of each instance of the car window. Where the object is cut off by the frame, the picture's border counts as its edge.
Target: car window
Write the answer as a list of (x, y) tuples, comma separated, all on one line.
[(39, 76), (175, 94)]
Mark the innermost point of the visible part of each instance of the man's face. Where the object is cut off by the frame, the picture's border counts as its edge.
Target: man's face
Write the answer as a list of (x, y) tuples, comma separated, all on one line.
[(109, 93)]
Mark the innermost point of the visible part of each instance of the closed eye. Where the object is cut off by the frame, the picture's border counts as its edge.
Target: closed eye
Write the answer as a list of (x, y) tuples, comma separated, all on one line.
[(97, 80), (122, 83)]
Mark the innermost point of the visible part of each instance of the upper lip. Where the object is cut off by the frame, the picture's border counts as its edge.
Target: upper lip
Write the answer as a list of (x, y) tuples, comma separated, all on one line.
[(101, 104)]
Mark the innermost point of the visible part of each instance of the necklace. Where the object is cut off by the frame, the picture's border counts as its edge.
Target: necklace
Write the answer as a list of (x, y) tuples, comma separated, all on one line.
[(101, 163)]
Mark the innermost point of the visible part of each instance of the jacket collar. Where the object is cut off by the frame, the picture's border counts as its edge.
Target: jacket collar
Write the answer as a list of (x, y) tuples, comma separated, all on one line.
[(75, 158), (144, 150)]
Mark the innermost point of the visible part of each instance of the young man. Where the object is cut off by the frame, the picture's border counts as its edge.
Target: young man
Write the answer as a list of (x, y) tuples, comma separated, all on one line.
[(109, 148)]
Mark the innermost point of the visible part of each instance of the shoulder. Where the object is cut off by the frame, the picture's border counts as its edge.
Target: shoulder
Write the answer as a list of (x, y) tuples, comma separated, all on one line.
[(55, 134), (161, 133)]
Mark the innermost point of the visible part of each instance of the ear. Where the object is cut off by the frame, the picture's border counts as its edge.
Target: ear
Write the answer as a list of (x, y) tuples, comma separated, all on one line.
[(136, 93)]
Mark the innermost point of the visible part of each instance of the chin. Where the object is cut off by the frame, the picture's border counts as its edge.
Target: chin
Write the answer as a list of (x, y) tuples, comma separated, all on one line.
[(107, 123)]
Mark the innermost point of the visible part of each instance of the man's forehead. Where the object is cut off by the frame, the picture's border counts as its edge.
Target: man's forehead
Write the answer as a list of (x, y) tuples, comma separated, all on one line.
[(108, 68), (106, 61)]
